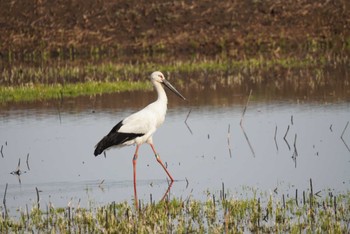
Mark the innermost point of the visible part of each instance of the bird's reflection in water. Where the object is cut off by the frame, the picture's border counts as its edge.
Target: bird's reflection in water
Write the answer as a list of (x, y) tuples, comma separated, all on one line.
[(165, 196)]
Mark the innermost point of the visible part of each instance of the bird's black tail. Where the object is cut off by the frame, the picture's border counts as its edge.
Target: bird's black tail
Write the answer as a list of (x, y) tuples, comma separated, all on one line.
[(101, 146), (114, 139)]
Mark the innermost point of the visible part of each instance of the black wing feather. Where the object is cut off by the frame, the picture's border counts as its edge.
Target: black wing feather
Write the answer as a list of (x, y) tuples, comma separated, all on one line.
[(114, 138)]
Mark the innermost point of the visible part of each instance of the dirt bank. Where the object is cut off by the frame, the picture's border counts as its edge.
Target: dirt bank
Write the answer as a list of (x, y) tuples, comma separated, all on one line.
[(207, 27)]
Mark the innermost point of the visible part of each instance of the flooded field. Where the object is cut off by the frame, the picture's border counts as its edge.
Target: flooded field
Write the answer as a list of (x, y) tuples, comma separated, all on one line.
[(284, 141)]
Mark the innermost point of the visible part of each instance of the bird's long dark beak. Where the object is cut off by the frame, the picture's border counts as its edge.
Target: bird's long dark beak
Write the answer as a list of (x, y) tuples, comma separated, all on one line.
[(172, 88)]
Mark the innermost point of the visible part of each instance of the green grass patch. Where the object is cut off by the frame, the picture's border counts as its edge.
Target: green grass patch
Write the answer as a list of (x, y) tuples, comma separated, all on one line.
[(267, 214), (55, 91)]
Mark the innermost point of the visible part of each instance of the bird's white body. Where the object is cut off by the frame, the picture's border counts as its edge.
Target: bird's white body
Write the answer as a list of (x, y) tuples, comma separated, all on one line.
[(147, 120), (139, 127)]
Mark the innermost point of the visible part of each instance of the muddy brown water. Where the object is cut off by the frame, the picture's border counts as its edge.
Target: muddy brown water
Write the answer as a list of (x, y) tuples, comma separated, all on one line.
[(54, 142)]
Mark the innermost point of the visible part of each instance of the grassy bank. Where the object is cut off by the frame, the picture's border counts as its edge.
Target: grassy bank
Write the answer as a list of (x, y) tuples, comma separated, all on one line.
[(57, 91), (114, 71), (310, 214), (70, 79)]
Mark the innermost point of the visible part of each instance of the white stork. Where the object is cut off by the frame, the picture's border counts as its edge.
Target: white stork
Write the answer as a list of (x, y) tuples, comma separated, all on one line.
[(139, 127)]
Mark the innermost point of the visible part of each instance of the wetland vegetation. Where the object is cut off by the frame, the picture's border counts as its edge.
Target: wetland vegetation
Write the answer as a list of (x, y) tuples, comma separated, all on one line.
[(264, 213)]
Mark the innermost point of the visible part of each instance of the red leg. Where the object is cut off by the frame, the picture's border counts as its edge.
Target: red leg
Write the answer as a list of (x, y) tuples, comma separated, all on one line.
[(161, 163), (134, 160), (167, 191)]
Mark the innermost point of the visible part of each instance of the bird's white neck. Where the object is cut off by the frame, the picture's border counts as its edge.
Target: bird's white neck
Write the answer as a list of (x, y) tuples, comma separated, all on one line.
[(161, 93)]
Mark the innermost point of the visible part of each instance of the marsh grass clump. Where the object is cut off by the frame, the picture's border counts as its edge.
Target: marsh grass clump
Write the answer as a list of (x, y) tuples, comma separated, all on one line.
[(230, 215)]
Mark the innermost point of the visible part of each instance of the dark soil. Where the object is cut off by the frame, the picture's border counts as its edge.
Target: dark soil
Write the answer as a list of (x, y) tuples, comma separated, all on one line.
[(171, 26)]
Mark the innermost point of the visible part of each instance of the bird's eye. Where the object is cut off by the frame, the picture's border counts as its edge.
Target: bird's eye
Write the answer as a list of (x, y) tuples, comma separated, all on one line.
[(160, 76)]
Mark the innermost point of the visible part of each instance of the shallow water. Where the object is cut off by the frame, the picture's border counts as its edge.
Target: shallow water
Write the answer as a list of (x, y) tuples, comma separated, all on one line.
[(211, 150)]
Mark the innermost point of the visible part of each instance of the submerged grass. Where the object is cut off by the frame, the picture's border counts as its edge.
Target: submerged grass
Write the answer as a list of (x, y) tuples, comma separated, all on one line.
[(267, 214)]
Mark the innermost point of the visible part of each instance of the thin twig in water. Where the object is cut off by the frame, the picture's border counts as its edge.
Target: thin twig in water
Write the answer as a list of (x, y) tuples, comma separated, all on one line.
[(245, 108), (291, 119), (295, 160), (100, 185), (59, 106), (318, 193), (4, 200), (188, 114), (27, 161), (344, 130), (247, 139), (285, 135), (335, 205), (223, 191), (295, 153), (27, 211), (311, 193), (18, 171), (341, 137), (188, 127), (295, 144), (346, 145), (228, 140), (275, 137), (2, 155), (241, 123), (37, 197)]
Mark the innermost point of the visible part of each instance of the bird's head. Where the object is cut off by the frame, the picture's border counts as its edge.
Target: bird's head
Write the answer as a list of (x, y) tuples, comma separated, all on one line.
[(158, 77)]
